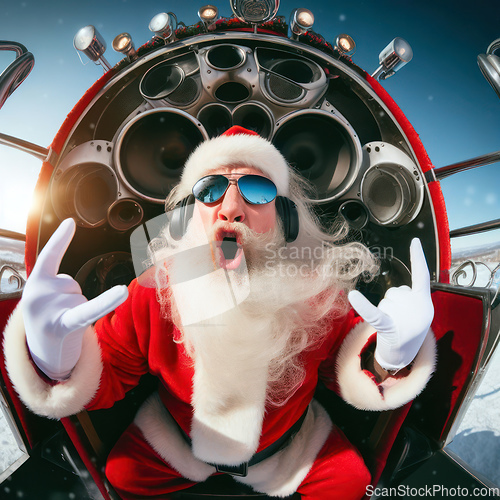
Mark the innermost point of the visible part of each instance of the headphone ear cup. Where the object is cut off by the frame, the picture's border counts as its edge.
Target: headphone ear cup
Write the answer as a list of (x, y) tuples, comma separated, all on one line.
[(181, 215), (287, 212)]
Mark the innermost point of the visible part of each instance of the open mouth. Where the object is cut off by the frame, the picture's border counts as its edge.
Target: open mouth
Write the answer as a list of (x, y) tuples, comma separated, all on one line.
[(229, 249)]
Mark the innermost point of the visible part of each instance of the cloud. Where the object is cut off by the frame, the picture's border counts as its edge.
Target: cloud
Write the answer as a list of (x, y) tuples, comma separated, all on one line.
[(490, 199)]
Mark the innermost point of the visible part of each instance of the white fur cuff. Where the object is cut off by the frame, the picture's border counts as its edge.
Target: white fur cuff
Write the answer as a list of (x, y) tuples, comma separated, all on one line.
[(53, 401), (361, 391)]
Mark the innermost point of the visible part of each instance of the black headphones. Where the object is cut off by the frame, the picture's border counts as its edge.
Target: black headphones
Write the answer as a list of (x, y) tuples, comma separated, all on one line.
[(285, 208)]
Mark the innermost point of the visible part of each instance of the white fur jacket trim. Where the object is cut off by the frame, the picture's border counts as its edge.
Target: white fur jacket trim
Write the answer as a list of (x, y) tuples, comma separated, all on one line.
[(363, 392), (53, 401), (279, 475)]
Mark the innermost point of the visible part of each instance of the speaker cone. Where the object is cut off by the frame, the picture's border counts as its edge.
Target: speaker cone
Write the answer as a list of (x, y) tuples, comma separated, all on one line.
[(355, 213), (216, 119), (392, 186), (152, 148), (254, 116), (125, 214), (322, 148)]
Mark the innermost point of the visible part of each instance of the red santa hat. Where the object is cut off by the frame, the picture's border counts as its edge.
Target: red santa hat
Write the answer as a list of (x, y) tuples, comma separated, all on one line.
[(237, 146)]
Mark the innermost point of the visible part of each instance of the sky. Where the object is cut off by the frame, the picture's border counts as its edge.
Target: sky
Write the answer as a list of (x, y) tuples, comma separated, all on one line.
[(441, 91)]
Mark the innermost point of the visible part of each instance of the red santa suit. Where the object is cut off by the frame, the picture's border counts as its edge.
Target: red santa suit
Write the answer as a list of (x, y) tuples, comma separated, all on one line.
[(153, 457), (225, 425)]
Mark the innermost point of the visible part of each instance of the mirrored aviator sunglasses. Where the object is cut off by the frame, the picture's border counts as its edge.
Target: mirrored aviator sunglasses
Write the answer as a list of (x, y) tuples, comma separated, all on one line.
[(255, 189)]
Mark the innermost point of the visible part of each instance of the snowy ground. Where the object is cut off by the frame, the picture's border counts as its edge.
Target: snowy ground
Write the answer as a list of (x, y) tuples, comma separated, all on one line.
[(9, 451)]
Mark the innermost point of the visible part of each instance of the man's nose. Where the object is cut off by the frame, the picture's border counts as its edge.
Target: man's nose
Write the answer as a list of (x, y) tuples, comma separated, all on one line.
[(232, 208)]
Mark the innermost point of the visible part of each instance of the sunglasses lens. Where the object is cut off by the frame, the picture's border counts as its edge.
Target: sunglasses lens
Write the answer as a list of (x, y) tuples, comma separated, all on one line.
[(211, 188), (257, 189)]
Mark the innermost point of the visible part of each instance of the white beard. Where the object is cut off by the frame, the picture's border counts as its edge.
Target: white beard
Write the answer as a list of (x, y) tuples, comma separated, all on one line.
[(244, 329)]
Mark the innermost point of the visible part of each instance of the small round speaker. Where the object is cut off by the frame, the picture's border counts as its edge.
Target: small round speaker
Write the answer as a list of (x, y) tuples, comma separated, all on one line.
[(254, 116), (225, 57), (392, 186), (152, 148), (125, 214), (216, 118)]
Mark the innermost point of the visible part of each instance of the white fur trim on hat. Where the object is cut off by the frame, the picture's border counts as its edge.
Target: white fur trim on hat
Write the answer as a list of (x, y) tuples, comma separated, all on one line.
[(361, 391), (235, 150), (53, 401)]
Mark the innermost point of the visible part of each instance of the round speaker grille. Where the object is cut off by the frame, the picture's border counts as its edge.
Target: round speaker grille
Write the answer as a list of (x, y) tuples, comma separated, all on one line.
[(152, 148), (282, 90), (186, 93)]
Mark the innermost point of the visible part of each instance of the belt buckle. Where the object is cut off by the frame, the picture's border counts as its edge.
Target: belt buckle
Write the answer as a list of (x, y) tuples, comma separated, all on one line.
[(233, 470)]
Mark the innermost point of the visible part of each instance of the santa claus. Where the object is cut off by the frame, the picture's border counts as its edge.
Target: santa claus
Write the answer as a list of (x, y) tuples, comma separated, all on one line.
[(250, 307)]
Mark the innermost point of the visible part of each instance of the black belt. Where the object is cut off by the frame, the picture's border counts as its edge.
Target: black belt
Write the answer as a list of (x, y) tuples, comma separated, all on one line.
[(279, 444)]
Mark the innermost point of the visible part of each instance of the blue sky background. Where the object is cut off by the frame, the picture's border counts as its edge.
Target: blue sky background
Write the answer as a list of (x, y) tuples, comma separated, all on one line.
[(441, 90)]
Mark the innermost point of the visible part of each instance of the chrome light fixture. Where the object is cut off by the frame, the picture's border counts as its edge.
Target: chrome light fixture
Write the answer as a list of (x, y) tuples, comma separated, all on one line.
[(255, 11), (489, 64), (89, 41), (301, 21), (209, 14), (345, 45), (123, 43), (393, 58), (163, 25)]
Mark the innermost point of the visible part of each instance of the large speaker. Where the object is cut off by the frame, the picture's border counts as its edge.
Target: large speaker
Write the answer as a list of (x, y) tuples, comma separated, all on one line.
[(392, 187), (321, 147), (152, 148), (84, 185)]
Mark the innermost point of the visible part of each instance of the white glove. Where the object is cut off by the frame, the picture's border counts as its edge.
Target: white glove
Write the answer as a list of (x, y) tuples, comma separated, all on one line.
[(403, 317), (55, 312)]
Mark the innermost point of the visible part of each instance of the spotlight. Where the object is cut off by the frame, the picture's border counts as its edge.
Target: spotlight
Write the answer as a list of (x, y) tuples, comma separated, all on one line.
[(301, 21), (345, 45), (489, 64), (163, 25), (89, 41), (209, 14), (393, 58), (255, 11), (123, 43)]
